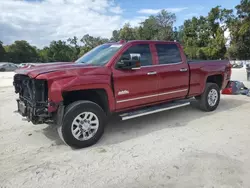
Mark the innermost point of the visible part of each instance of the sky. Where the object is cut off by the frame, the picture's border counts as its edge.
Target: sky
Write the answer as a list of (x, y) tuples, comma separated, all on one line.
[(41, 21)]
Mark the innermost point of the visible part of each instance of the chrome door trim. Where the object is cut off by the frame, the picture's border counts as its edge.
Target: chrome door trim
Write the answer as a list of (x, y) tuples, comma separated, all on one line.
[(150, 96)]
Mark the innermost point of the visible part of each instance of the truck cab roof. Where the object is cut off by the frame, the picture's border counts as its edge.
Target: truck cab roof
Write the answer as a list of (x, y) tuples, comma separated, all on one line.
[(146, 41)]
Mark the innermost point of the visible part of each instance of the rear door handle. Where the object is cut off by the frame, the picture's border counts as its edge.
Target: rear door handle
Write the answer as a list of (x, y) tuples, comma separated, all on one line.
[(152, 73), (183, 70)]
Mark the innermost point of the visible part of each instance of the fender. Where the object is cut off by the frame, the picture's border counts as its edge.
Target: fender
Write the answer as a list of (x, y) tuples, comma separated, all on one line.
[(212, 72), (57, 87), (104, 84)]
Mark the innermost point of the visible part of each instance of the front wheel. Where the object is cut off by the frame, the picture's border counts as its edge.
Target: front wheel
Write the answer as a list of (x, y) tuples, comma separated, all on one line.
[(83, 124), (210, 99)]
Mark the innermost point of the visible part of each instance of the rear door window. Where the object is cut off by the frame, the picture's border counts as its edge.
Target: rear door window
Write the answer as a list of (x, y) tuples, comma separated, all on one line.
[(168, 53)]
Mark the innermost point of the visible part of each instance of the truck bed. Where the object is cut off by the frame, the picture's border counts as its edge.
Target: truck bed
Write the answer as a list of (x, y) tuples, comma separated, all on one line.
[(200, 70)]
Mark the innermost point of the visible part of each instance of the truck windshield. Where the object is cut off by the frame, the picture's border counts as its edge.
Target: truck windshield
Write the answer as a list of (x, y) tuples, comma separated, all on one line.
[(100, 55)]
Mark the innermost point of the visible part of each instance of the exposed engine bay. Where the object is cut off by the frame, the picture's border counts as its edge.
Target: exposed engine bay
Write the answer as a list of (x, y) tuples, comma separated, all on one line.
[(33, 98)]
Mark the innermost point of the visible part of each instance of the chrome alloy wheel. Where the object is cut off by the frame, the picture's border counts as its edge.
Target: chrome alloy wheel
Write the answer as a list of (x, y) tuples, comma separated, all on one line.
[(212, 97), (85, 126)]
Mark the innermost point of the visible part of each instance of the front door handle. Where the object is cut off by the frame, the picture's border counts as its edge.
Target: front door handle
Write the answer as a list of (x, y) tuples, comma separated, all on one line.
[(152, 73), (183, 70)]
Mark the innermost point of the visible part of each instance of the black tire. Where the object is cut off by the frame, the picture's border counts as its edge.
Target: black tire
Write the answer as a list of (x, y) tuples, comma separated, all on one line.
[(71, 112), (2, 70), (203, 99)]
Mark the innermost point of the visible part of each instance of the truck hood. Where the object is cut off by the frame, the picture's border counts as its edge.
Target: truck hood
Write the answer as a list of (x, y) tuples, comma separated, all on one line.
[(35, 71)]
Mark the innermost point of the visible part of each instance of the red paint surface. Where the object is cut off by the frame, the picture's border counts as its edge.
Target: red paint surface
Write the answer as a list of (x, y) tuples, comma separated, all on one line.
[(71, 76)]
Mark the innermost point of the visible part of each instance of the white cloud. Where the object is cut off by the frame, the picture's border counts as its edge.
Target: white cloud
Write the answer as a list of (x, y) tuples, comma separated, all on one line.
[(116, 10), (40, 22), (135, 21), (155, 11)]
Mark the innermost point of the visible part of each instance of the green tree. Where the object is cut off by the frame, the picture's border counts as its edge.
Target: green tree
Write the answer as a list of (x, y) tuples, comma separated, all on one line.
[(21, 52), (195, 37), (2, 52), (127, 33), (43, 55), (204, 38), (76, 48), (165, 21), (149, 29), (178, 34), (115, 35), (91, 42), (158, 27), (240, 32), (59, 51), (243, 11)]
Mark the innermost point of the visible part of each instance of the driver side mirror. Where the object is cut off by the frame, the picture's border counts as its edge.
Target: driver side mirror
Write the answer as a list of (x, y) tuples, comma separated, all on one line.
[(129, 62)]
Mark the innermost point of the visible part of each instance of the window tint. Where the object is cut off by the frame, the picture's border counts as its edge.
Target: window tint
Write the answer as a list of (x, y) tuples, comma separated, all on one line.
[(168, 53), (143, 50)]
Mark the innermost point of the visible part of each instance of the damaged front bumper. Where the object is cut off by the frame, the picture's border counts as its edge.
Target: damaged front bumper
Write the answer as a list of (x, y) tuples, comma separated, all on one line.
[(33, 102), (36, 113), (39, 114)]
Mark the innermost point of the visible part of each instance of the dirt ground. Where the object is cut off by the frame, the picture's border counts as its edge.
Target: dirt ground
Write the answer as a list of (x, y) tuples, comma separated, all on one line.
[(182, 148)]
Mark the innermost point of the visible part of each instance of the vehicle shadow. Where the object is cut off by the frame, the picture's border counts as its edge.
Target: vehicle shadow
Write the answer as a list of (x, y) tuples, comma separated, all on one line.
[(118, 131), (51, 133)]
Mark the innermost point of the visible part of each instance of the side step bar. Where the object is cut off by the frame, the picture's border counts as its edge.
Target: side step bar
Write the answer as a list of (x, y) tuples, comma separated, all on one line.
[(155, 109)]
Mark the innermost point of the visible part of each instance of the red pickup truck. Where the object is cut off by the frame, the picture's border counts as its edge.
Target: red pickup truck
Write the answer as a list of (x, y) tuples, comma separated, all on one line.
[(130, 79)]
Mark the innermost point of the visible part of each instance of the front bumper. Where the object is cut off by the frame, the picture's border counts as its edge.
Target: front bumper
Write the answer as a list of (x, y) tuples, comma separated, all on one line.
[(33, 101), (36, 114), (39, 114), (21, 108)]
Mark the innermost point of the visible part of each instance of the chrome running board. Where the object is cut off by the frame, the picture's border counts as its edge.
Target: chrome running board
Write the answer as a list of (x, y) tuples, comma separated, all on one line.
[(154, 109)]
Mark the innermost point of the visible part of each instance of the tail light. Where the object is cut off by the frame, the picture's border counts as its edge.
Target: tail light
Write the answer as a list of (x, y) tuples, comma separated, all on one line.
[(229, 89)]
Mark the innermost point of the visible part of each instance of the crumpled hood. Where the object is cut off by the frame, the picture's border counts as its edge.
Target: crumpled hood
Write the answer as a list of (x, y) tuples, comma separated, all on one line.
[(53, 67)]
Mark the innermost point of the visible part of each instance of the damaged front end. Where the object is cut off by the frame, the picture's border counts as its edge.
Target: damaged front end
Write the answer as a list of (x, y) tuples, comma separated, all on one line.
[(33, 98)]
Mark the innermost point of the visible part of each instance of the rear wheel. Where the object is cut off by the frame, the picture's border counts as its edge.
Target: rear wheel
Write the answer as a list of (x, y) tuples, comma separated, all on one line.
[(210, 99), (83, 124), (2, 70)]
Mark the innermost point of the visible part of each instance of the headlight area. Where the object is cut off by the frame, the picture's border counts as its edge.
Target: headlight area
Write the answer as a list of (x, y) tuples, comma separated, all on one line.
[(33, 98)]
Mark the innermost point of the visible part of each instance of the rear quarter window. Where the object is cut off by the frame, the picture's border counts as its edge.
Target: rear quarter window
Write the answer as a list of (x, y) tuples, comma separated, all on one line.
[(168, 53)]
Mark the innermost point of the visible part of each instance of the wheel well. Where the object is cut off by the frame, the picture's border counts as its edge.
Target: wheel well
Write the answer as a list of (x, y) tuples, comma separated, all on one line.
[(98, 96), (217, 79)]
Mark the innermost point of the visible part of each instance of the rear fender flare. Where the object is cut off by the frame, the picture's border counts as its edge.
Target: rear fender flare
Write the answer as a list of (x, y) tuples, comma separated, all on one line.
[(205, 81)]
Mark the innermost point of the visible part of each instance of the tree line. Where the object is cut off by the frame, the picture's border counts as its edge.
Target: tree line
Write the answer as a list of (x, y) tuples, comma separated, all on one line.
[(201, 37)]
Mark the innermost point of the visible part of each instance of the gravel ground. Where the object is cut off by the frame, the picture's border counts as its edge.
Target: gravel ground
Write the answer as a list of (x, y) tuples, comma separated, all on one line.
[(183, 148)]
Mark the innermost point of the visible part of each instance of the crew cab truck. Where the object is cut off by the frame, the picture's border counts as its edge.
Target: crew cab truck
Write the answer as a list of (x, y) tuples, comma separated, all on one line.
[(130, 79)]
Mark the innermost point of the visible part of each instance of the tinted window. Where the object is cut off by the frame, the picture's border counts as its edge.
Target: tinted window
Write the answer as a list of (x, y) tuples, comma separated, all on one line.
[(168, 53), (143, 50)]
